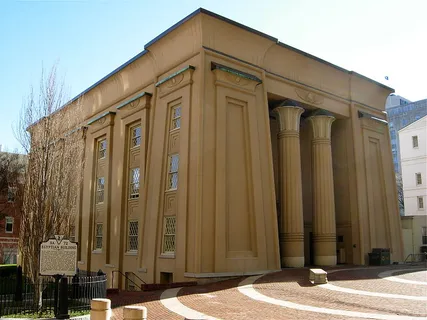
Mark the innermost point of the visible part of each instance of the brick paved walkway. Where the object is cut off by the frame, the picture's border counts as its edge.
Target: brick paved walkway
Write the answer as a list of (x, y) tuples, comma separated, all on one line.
[(223, 300)]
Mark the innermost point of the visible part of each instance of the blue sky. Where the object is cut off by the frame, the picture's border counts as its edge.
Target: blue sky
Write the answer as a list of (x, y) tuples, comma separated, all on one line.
[(90, 38)]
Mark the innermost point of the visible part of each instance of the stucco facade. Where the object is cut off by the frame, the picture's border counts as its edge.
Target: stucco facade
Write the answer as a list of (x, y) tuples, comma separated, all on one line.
[(230, 153), (413, 148)]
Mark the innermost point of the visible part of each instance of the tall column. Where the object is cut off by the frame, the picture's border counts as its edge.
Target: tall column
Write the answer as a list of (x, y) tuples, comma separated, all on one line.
[(324, 228), (292, 220)]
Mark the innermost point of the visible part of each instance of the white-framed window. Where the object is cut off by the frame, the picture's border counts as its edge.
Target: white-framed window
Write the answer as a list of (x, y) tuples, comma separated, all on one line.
[(134, 183), (8, 226), (135, 133), (173, 172), (418, 179), (100, 185), (102, 149), (133, 235), (424, 234), (420, 202), (169, 234), (11, 194), (98, 236), (10, 255), (176, 117), (414, 141)]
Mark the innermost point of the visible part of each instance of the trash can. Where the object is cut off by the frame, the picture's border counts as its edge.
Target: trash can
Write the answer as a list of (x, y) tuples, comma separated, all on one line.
[(383, 255), (374, 259)]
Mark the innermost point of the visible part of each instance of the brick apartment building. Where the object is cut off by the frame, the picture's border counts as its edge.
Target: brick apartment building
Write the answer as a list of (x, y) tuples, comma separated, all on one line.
[(12, 167)]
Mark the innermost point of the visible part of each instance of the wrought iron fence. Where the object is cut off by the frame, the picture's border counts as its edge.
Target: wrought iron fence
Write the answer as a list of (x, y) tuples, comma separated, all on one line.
[(19, 295)]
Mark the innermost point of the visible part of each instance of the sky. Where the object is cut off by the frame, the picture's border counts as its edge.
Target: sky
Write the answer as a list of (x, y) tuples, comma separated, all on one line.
[(90, 38)]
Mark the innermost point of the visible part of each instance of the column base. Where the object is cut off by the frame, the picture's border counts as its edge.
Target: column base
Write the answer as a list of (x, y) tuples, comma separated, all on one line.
[(293, 262), (325, 260)]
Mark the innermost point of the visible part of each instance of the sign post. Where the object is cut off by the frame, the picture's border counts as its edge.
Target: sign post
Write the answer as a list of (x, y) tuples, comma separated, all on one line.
[(58, 258)]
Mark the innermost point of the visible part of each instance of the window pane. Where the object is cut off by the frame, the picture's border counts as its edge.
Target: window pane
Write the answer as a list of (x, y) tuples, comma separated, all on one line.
[(133, 235), (176, 118), (136, 136), (134, 183), (102, 149), (169, 234), (9, 225), (415, 141), (98, 236), (174, 163), (420, 203)]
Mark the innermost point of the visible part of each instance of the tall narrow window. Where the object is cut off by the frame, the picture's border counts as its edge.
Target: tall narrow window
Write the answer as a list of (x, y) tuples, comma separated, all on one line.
[(135, 137), (72, 237), (9, 225), (173, 171), (11, 193), (176, 117), (100, 190), (133, 236), (414, 141), (134, 183), (424, 234), (169, 234), (420, 202), (98, 236), (418, 178), (102, 148)]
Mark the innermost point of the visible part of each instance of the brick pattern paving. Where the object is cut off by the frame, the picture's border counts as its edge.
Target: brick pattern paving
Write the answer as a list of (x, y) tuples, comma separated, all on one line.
[(223, 300), (303, 292)]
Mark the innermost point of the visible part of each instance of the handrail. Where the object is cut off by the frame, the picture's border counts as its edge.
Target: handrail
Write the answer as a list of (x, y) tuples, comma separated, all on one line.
[(124, 275)]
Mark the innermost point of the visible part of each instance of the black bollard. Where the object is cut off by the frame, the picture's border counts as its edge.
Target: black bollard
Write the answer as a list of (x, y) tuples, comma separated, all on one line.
[(63, 299)]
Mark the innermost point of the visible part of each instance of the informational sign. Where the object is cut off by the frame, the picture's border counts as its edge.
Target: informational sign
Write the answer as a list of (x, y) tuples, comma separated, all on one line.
[(58, 256)]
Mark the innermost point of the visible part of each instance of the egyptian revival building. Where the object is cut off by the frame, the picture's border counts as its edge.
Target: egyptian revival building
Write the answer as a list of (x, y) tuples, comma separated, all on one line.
[(220, 151)]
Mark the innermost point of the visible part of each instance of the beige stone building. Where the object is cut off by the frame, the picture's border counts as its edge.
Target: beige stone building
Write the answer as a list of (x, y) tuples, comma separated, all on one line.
[(219, 151)]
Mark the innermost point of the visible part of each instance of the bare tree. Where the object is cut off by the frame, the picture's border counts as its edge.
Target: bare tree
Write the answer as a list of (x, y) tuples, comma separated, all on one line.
[(51, 133), (400, 195)]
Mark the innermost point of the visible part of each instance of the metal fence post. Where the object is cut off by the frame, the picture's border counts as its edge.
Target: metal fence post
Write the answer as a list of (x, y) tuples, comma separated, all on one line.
[(18, 291), (63, 299), (100, 309), (135, 313)]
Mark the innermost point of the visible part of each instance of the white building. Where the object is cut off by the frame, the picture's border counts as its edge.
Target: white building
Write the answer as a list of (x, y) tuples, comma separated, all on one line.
[(413, 153)]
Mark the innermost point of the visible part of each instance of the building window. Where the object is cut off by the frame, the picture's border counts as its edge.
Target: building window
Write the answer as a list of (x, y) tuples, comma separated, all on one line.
[(420, 201), (415, 142), (100, 190), (169, 235), (135, 137), (418, 179), (133, 236), (9, 225), (98, 236), (72, 237), (10, 255), (424, 234), (176, 118), (11, 194), (134, 183), (173, 172), (102, 149)]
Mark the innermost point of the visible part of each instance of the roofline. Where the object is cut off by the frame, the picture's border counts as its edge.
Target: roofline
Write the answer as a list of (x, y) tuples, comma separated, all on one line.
[(410, 124), (214, 15), (227, 20), (124, 65)]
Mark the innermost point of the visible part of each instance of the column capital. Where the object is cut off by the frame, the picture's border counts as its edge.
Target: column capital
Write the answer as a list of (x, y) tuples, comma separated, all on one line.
[(321, 125), (289, 117)]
